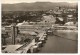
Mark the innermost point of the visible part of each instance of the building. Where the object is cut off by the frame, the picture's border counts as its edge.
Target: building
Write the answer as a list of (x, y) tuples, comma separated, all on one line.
[(11, 48), (70, 18)]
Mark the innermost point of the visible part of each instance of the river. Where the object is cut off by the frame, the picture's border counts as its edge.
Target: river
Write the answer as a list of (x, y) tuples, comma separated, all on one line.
[(55, 44)]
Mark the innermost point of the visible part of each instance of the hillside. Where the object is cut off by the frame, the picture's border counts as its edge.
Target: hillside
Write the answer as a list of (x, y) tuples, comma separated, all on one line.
[(35, 6)]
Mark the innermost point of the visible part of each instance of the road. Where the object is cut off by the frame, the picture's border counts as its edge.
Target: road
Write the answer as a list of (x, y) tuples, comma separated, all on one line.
[(56, 44)]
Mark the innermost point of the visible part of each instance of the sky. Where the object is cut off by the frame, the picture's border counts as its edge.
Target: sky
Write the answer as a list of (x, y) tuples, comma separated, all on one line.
[(29, 1)]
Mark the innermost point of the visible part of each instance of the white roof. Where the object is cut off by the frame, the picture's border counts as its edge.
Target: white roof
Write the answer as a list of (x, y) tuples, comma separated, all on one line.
[(3, 28), (69, 18), (61, 19), (25, 22), (67, 26), (29, 32), (69, 15), (71, 27), (32, 22), (19, 24), (69, 23), (9, 25), (12, 48), (33, 33), (49, 18), (57, 12)]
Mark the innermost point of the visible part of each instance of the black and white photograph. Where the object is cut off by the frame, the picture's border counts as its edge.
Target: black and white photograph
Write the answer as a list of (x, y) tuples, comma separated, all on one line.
[(39, 26)]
